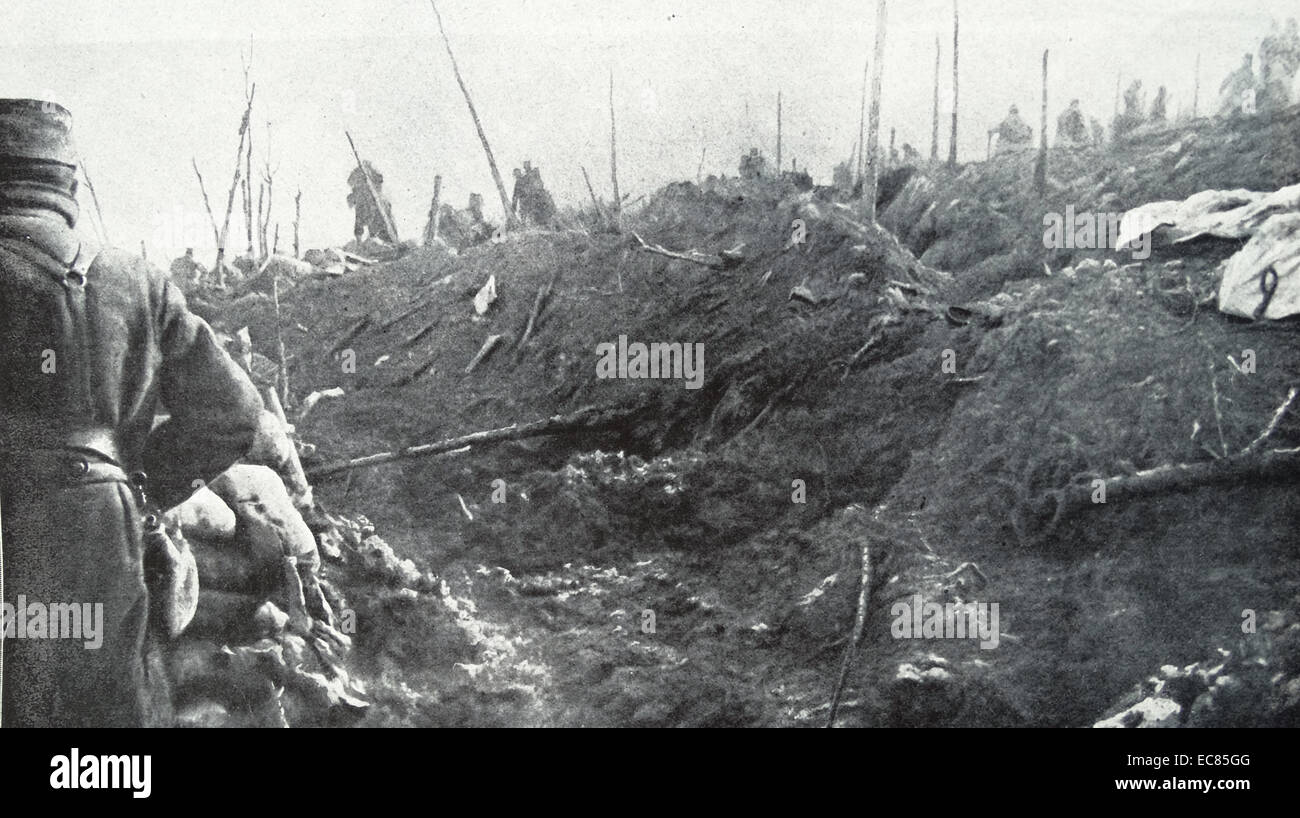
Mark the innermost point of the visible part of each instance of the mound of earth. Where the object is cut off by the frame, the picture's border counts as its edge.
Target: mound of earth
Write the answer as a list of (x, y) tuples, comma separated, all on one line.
[(698, 562)]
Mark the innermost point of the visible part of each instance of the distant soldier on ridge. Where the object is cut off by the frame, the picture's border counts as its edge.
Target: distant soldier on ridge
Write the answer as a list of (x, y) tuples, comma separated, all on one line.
[(1013, 133), (369, 217), (1279, 61), (1236, 94), (1071, 130), (753, 165)]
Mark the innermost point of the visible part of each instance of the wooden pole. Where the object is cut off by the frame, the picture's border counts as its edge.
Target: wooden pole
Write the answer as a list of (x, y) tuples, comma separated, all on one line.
[(873, 121), (1040, 169), (374, 192), (934, 127), (952, 142), (613, 149), (511, 219), (435, 217), (297, 218)]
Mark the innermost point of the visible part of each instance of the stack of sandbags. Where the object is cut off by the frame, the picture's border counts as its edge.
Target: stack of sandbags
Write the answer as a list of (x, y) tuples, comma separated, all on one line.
[(263, 648)]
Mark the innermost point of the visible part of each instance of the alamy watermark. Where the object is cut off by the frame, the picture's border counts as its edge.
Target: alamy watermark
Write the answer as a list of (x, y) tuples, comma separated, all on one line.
[(682, 361), (918, 619), (1098, 231), (54, 620)]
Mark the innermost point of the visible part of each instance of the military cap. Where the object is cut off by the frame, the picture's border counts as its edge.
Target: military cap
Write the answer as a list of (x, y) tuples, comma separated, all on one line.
[(34, 129)]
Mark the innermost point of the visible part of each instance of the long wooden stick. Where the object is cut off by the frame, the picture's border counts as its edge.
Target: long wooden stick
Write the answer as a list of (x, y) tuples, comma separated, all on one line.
[(511, 219), (556, 424), (374, 192), (873, 121)]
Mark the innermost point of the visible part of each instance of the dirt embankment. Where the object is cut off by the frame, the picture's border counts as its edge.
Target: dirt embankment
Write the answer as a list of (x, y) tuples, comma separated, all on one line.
[(698, 563)]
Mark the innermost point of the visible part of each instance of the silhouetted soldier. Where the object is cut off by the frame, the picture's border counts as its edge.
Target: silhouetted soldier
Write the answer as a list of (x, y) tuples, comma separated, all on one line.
[(1236, 94), (1279, 61), (186, 272), (369, 217), (1013, 133), (91, 341), (1158, 107), (1133, 115), (752, 165), (1071, 130)]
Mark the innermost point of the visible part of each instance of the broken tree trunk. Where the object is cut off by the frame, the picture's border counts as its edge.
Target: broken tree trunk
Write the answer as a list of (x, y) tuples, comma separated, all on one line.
[(484, 351), (583, 419), (778, 133), (1250, 465), (282, 367), (952, 140), (600, 211), (934, 125), (511, 219), (1040, 168), (374, 192), (220, 269), (539, 302), (1196, 92), (873, 122), (613, 151), (431, 230), (862, 125), (216, 234), (716, 262)]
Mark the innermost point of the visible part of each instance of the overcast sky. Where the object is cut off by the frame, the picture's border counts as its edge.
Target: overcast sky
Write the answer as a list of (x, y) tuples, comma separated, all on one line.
[(152, 83)]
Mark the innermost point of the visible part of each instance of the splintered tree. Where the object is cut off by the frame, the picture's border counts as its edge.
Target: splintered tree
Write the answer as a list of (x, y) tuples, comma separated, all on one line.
[(613, 149), (1196, 92), (1040, 168), (862, 125), (873, 134), (778, 133), (934, 126), (952, 141), (511, 219), (246, 184), (234, 185), (431, 227)]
